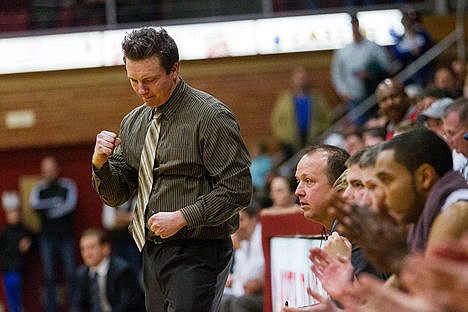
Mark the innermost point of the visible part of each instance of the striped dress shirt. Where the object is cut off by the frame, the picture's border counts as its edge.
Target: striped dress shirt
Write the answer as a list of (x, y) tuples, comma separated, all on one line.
[(201, 166)]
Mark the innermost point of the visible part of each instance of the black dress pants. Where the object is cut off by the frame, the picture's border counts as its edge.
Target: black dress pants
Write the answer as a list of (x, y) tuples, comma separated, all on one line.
[(186, 275)]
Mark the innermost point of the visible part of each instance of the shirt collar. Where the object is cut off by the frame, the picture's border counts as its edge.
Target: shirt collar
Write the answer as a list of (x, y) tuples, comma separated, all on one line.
[(174, 104), (102, 267)]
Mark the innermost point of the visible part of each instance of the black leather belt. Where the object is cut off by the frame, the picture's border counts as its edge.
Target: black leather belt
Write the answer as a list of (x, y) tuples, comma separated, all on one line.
[(156, 240)]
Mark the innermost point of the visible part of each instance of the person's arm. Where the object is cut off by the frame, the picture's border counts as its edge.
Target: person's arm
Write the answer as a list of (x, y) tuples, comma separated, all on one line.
[(380, 238), (338, 76), (337, 246), (38, 203), (113, 179), (450, 224), (440, 276), (371, 294), (324, 305), (108, 217), (382, 58), (335, 273)]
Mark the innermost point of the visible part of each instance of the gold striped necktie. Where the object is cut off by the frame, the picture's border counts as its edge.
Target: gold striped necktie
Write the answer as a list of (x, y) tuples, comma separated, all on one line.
[(145, 179)]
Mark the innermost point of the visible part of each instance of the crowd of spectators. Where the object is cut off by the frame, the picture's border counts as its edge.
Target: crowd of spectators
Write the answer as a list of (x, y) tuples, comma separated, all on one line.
[(422, 120), (420, 136)]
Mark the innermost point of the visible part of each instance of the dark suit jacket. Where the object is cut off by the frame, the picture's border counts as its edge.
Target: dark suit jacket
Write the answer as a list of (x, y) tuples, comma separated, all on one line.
[(123, 290)]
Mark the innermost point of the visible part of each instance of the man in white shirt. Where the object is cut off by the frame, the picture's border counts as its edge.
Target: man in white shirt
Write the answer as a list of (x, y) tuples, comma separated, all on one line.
[(244, 289), (455, 122), (356, 70)]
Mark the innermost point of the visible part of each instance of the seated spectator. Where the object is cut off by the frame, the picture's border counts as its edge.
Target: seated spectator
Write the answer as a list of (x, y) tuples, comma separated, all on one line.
[(394, 104), (372, 195), (440, 218), (316, 172), (335, 246), (423, 173), (261, 166), (282, 196), (116, 221), (455, 121), (445, 79), (15, 242), (244, 288), (431, 117), (459, 67), (105, 282), (361, 188), (431, 95), (353, 140), (373, 136), (376, 122), (354, 188), (406, 126)]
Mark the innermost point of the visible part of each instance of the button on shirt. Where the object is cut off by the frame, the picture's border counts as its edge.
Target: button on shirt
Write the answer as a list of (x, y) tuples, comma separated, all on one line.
[(202, 164)]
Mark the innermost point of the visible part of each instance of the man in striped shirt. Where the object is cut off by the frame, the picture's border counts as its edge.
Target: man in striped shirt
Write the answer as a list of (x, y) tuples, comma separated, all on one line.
[(201, 177)]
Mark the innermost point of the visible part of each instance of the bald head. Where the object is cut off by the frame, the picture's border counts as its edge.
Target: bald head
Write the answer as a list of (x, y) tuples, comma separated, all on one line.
[(393, 100)]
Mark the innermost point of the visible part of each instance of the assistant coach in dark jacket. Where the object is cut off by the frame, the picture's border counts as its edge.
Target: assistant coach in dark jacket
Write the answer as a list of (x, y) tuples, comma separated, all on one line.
[(117, 286)]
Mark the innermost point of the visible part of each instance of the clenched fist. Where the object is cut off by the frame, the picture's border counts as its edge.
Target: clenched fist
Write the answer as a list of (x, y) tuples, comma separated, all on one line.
[(106, 142)]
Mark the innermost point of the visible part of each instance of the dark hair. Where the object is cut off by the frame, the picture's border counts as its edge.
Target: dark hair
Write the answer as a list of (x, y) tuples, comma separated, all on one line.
[(406, 126), (437, 93), (102, 236), (354, 158), (417, 147), (376, 132), (446, 67), (253, 209), (335, 161), (369, 156), (356, 131), (290, 180), (354, 18), (147, 42)]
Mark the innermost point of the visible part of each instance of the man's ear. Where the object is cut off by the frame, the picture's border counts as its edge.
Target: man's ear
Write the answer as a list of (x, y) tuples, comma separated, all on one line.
[(175, 71), (425, 177)]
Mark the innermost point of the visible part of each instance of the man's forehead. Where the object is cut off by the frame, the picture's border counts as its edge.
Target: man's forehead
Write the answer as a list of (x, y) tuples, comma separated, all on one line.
[(368, 174), (453, 119), (310, 167), (318, 158), (386, 163), (354, 171), (384, 157)]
